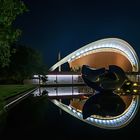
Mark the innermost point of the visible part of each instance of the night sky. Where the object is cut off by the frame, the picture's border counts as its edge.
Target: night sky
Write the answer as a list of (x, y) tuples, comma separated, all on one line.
[(66, 25)]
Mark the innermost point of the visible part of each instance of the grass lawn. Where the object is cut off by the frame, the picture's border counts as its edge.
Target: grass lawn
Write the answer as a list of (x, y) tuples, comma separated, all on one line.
[(11, 90)]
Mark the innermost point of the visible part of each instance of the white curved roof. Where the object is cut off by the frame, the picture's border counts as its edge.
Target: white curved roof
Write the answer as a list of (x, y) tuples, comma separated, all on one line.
[(109, 45)]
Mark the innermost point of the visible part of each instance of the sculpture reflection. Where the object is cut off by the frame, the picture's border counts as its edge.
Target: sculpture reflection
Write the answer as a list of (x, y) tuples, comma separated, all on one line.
[(104, 82), (103, 104)]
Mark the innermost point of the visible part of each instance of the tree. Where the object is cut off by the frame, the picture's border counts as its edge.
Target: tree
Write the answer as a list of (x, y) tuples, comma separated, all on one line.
[(25, 62), (9, 10)]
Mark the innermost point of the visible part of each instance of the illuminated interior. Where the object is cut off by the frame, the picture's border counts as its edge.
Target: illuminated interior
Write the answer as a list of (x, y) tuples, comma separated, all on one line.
[(102, 59), (101, 54)]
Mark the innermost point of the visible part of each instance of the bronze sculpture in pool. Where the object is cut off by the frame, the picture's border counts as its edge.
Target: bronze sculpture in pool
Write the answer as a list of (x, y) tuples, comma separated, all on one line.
[(107, 84)]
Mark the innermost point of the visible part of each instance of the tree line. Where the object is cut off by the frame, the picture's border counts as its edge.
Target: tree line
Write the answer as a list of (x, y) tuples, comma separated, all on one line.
[(17, 62)]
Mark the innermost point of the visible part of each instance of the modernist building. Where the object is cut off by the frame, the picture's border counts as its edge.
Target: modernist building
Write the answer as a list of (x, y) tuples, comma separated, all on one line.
[(102, 53)]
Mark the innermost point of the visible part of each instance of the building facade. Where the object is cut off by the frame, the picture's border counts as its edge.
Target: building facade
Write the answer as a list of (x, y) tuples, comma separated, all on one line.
[(102, 53)]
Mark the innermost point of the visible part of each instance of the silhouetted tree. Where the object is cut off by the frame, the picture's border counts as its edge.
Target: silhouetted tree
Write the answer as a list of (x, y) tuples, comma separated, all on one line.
[(25, 62), (9, 10)]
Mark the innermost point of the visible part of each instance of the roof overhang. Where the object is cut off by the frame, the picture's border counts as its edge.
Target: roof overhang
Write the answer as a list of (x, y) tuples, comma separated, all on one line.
[(108, 45)]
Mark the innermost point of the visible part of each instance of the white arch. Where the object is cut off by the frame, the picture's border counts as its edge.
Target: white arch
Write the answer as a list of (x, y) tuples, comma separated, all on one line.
[(109, 44)]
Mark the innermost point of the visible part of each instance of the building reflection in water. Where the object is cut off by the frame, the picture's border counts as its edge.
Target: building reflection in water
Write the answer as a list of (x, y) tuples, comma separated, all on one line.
[(99, 105)]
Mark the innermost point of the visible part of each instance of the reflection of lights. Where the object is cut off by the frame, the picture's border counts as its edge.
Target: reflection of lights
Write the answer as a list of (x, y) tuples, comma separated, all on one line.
[(76, 75), (91, 119), (74, 111), (130, 112), (118, 89), (69, 107), (127, 90), (107, 123), (135, 84), (60, 76), (79, 114), (135, 90), (51, 76), (128, 83), (104, 121), (35, 76)]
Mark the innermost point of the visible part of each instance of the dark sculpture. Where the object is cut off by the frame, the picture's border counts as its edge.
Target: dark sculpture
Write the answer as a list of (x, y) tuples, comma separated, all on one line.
[(104, 82)]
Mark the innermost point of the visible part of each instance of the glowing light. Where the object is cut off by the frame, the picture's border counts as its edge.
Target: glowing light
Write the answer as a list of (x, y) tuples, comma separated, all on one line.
[(91, 119), (118, 89), (123, 93), (36, 76), (120, 46), (82, 52), (135, 84), (73, 56), (77, 54), (69, 60), (74, 111), (90, 48), (127, 90), (69, 107), (128, 83), (79, 114), (135, 90)]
